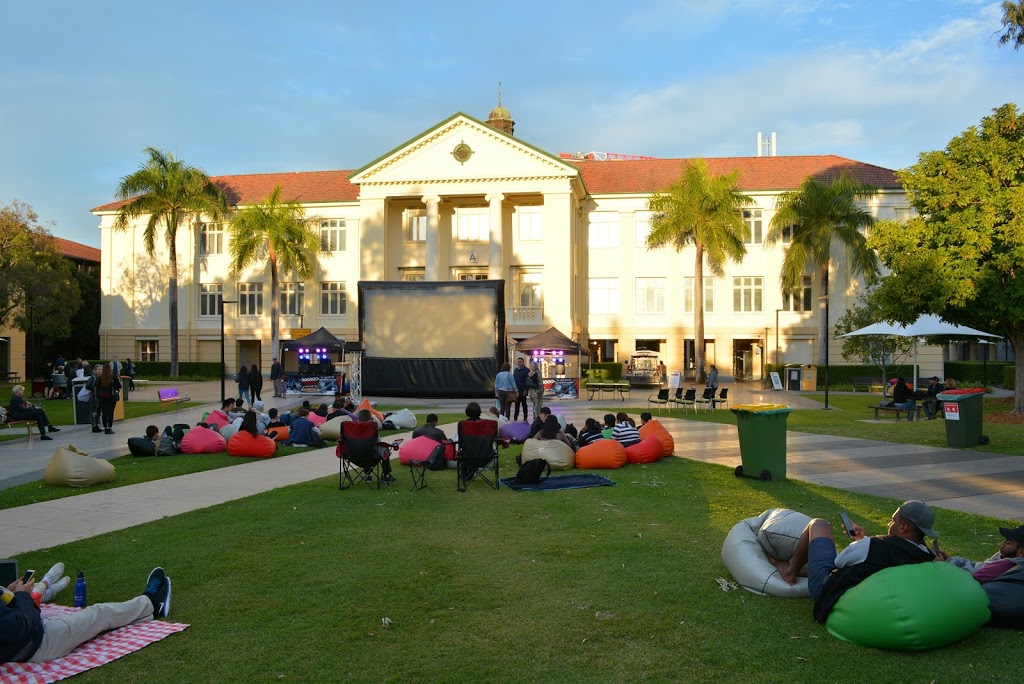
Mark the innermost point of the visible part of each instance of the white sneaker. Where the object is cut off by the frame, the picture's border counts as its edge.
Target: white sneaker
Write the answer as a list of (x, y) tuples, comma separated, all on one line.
[(55, 588), (54, 574)]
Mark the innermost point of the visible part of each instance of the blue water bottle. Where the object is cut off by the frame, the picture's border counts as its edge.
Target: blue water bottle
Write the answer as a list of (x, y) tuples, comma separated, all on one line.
[(80, 590)]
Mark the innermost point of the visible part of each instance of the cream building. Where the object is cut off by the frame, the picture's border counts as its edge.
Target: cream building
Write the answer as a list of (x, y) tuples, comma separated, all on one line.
[(469, 200)]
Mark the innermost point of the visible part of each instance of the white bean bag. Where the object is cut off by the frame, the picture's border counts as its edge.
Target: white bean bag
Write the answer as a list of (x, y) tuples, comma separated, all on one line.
[(557, 453), (405, 419), (746, 548), (70, 467), (332, 429)]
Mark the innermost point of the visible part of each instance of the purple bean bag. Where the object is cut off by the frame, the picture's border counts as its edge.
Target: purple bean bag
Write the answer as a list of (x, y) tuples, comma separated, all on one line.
[(517, 432)]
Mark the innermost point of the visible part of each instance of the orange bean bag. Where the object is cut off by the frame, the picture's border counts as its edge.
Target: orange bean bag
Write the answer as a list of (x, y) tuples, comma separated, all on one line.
[(244, 444), (365, 404), (655, 428), (280, 433), (604, 453), (200, 440), (647, 451)]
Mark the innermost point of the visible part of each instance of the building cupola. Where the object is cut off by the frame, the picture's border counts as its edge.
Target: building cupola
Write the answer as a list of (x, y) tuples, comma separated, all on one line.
[(500, 117)]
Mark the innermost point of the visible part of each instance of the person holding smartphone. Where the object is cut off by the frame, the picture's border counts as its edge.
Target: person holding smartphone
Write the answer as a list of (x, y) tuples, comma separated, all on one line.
[(830, 574)]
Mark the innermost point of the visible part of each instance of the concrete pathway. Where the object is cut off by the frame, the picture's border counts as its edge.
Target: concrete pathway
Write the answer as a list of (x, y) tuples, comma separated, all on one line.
[(988, 484)]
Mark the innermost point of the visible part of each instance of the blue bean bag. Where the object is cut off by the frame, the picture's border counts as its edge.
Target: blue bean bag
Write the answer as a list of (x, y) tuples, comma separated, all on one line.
[(911, 608), (140, 446), (1006, 598)]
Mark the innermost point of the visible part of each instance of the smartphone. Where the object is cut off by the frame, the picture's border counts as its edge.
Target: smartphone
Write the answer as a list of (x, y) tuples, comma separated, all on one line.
[(847, 524), (27, 576), (935, 546)]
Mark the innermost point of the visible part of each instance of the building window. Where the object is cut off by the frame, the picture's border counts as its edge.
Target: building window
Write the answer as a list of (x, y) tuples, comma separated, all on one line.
[(416, 230), (332, 235), (250, 299), (417, 275), (472, 226), (332, 299), (529, 283), (747, 294), (530, 225), (471, 275), (604, 296), (642, 223), (800, 300), (650, 295), (604, 229), (292, 295), (752, 217), (211, 239), (149, 350), (709, 294), (210, 297)]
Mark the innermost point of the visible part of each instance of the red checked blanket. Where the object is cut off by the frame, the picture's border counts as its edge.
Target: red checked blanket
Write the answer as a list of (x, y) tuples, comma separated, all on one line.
[(99, 651)]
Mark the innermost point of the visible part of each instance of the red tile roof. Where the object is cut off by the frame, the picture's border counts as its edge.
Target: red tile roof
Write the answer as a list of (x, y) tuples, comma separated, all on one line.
[(756, 173), (601, 177), (76, 250)]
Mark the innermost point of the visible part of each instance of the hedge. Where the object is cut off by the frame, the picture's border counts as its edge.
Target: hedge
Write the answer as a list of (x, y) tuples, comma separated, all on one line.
[(973, 372), (203, 369), (1009, 377), (606, 371), (844, 374)]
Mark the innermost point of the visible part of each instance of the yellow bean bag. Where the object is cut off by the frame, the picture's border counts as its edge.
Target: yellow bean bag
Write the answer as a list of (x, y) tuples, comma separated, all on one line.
[(557, 453), (604, 453), (332, 429), (71, 467), (655, 428)]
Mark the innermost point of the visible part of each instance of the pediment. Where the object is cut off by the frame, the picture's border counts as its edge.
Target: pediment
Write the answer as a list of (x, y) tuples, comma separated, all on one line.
[(461, 149)]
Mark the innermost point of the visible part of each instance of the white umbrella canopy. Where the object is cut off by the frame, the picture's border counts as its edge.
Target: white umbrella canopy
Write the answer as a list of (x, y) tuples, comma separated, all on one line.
[(928, 325)]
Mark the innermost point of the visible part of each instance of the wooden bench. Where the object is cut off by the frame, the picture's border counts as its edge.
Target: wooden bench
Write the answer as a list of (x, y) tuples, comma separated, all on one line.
[(912, 413), (868, 383), (170, 396), (620, 388), (27, 424)]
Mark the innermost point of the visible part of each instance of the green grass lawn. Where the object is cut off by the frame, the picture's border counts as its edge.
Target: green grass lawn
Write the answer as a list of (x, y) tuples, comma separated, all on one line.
[(610, 584)]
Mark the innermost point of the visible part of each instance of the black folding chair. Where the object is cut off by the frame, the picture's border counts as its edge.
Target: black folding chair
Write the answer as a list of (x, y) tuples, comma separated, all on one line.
[(706, 398), (477, 450), (362, 455), (722, 398), (660, 399), (689, 399)]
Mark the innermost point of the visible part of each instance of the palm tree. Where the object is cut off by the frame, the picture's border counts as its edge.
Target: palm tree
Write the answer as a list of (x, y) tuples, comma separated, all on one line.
[(276, 232), (169, 193), (821, 214), (1013, 24), (704, 210)]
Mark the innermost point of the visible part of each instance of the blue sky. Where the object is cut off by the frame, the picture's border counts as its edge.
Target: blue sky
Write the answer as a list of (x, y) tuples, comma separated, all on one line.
[(250, 87)]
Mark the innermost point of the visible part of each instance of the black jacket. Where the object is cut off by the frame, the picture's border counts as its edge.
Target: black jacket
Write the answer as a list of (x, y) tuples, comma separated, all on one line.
[(21, 629)]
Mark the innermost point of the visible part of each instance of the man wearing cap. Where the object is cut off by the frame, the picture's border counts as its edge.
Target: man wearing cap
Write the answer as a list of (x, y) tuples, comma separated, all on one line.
[(928, 400), (1009, 556), (830, 575)]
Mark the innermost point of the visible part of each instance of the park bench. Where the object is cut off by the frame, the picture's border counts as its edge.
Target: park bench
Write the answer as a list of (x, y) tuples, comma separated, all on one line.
[(870, 384), (27, 424), (170, 396), (599, 388), (912, 413)]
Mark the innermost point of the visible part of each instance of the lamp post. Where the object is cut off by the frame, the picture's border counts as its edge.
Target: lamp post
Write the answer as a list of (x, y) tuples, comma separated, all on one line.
[(223, 369), (828, 331), (777, 364)]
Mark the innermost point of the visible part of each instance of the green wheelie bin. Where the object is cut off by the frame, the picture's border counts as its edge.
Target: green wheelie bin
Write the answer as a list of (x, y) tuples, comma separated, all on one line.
[(762, 430), (963, 410)]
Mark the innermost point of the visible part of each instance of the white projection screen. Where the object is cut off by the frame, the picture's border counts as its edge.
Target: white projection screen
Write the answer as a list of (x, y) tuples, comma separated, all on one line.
[(431, 338)]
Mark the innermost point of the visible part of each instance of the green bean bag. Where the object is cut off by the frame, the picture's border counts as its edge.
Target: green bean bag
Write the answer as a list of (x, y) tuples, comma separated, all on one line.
[(911, 608)]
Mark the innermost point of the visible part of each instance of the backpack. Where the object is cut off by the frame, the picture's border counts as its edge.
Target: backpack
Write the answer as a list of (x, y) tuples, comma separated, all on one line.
[(316, 441), (533, 471), (437, 460), (165, 446)]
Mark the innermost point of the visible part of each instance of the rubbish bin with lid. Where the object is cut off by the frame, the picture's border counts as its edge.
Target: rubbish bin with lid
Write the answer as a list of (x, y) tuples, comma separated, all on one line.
[(809, 378), (963, 409), (762, 430), (82, 409)]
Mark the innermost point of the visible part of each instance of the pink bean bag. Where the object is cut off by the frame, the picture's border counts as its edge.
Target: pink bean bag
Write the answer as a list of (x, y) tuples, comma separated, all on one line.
[(604, 453), (647, 451), (244, 444), (316, 420), (655, 428), (218, 418), (200, 440), (516, 432), (418, 448)]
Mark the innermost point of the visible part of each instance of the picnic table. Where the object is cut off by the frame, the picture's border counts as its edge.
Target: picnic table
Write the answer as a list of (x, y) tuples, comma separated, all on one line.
[(600, 388)]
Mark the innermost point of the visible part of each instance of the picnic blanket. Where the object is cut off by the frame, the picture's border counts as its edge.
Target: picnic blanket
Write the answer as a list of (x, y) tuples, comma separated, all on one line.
[(578, 481), (93, 653)]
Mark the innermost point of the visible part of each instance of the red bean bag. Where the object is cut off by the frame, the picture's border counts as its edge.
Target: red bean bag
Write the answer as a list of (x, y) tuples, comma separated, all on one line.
[(365, 404), (200, 440), (280, 433), (418, 448), (604, 453), (316, 420), (218, 418), (243, 443), (655, 428), (647, 451)]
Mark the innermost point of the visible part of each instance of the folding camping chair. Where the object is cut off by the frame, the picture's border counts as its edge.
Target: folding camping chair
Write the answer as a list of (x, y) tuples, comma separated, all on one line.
[(477, 450), (362, 455)]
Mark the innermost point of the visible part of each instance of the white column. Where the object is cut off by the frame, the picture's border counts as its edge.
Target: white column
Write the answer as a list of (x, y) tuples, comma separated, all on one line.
[(495, 265), (433, 270)]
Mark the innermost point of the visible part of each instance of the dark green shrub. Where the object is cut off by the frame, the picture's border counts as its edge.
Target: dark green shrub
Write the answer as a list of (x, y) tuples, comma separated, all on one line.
[(975, 371)]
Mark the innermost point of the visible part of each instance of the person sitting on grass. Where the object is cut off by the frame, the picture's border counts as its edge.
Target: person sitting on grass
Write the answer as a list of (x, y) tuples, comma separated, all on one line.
[(262, 419), (625, 432), (1009, 556), (430, 429), (21, 409), (553, 431), (275, 420), (495, 415), (28, 637), (590, 433), (645, 418), (609, 425), (238, 410), (301, 430), (338, 410), (831, 574)]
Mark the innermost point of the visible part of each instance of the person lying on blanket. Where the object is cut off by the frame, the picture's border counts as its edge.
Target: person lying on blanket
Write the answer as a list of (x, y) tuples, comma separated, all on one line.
[(27, 636)]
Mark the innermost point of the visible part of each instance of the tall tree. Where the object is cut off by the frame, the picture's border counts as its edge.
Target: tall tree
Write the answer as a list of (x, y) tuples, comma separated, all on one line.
[(703, 210), (170, 194), (818, 216), (1013, 24), (274, 232), (961, 257)]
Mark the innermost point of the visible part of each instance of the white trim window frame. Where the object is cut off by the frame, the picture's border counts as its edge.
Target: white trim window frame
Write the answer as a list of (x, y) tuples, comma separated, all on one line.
[(210, 297), (250, 299), (650, 296), (748, 294), (333, 235), (603, 230), (604, 296), (333, 298)]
